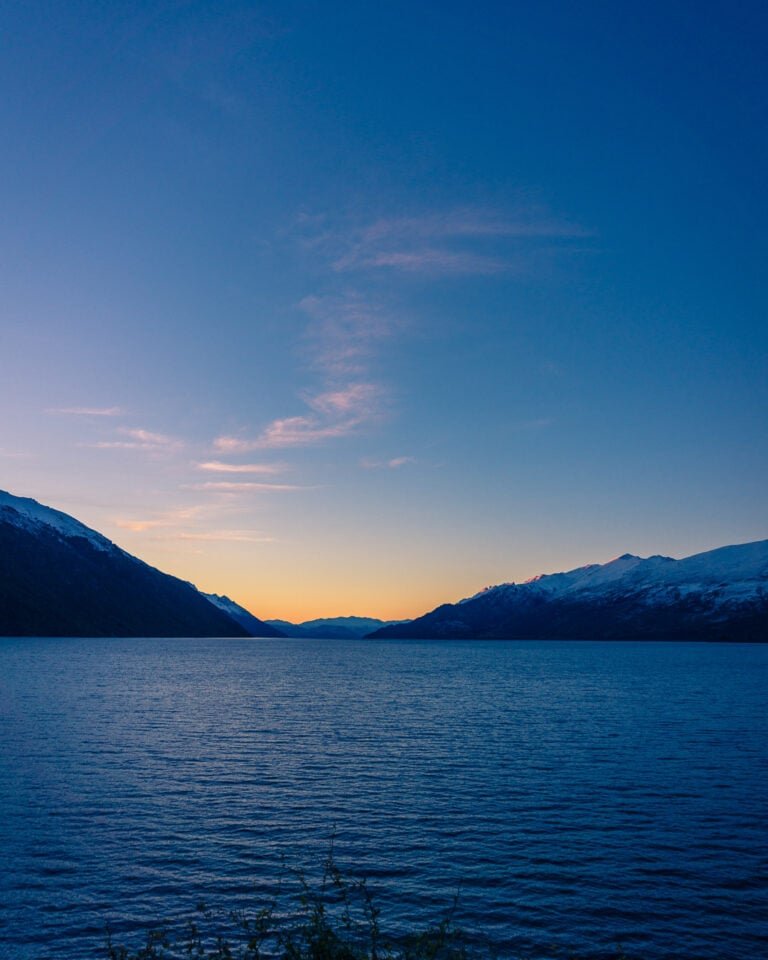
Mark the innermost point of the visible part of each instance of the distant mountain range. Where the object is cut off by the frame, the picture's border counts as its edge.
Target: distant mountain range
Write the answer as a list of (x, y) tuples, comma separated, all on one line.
[(332, 628), (718, 595), (60, 578)]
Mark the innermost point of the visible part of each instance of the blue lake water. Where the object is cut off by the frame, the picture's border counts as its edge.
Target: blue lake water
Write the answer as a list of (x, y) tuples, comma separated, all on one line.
[(581, 794)]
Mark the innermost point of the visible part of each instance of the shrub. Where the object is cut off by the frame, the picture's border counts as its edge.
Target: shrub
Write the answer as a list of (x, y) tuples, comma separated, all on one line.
[(336, 920)]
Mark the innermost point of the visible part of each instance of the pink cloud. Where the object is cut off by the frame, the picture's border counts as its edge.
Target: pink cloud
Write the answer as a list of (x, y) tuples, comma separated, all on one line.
[(335, 413), (216, 466), (225, 536), (169, 518), (227, 444), (149, 438), (358, 400), (87, 411), (233, 486), (138, 439), (302, 431)]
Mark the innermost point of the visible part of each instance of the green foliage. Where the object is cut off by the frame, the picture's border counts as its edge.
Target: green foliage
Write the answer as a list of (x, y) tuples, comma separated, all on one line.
[(337, 920)]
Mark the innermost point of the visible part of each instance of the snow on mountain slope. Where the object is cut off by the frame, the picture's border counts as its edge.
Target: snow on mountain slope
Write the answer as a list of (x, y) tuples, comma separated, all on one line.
[(224, 603), (718, 595), (725, 575), (256, 627), (596, 576), (28, 514)]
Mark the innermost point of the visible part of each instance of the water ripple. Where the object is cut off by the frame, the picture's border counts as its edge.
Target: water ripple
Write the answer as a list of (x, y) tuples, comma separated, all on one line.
[(580, 795)]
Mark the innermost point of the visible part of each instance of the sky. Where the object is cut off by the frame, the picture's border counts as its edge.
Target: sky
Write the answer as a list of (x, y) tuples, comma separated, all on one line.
[(357, 308)]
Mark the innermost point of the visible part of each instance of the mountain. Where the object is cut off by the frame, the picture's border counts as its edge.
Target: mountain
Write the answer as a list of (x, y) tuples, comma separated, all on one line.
[(332, 628), (253, 626), (718, 595), (60, 578)]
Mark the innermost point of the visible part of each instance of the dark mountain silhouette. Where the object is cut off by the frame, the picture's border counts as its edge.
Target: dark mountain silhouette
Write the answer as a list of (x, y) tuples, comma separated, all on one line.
[(331, 628), (60, 578)]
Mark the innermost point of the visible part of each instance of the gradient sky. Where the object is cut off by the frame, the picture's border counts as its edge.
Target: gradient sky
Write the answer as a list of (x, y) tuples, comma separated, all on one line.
[(359, 307)]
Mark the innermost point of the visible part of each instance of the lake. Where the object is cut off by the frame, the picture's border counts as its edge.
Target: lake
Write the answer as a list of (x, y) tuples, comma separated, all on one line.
[(581, 795)]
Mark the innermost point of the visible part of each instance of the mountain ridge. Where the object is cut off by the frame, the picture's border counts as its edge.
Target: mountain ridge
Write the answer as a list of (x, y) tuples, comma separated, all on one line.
[(244, 617), (331, 628), (717, 594), (59, 577)]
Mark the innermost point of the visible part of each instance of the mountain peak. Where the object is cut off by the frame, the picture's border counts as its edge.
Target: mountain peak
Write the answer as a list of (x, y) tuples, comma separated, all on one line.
[(720, 594), (29, 514)]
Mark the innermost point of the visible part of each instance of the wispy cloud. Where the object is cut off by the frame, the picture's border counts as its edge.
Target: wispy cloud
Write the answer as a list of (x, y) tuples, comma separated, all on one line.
[(168, 518), (463, 240), (334, 413), (227, 536), (430, 260), (175, 524), (394, 463), (524, 220), (267, 469), (138, 439), (245, 486), (227, 444), (147, 436), (87, 411), (302, 432), (359, 401), (344, 331)]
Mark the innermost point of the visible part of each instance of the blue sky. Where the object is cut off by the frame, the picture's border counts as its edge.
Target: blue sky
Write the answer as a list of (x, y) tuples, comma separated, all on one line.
[(356, 308)]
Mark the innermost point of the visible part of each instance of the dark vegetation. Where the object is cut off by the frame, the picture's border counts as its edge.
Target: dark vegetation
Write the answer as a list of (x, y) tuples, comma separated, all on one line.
[(336, 920)]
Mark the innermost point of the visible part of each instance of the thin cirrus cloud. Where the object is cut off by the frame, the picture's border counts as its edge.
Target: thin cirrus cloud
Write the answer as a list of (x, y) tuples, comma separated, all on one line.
[(224, 536), (430, 260), (302, 432), (335, 413), (170, 526), (394, 463), (465, 240), (244, 486), (138, 439), (87, 411), (168, 518), (264, 469), (343, 332)]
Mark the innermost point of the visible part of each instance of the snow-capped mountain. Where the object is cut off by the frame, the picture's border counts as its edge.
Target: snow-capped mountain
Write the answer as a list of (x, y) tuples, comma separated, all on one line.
[(254, 626), (720, 594), (59, 577), (27, 514)]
